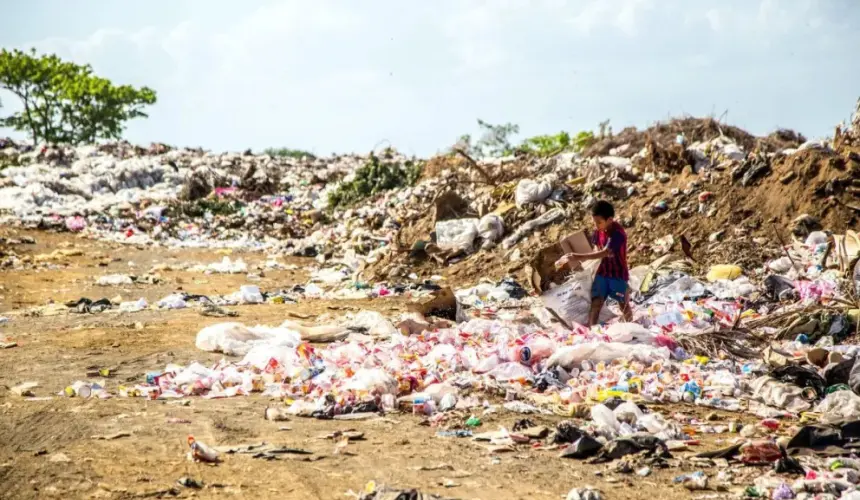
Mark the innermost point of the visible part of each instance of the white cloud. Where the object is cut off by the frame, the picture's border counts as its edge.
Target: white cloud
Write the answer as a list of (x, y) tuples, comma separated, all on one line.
[(622, 15)]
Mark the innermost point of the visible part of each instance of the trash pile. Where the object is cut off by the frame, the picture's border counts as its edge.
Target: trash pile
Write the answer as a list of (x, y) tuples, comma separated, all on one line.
[(716, 187)]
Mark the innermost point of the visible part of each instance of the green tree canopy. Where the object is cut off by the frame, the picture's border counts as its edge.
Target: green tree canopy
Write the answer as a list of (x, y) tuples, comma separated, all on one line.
[(64, 102)]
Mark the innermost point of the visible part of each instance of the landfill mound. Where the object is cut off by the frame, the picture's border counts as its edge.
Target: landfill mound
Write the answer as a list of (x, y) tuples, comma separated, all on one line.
[(733, 207), (731, 195)]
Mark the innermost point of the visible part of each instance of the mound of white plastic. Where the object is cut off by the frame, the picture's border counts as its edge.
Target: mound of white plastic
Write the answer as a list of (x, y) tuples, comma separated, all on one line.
[(236, 339)]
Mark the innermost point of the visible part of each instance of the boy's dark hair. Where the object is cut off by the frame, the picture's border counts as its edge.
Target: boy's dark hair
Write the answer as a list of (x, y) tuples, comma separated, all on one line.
[(603, 209)]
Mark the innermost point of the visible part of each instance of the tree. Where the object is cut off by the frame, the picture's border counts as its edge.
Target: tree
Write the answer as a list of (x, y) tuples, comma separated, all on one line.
[(289, 153), (546, 145), (495, 140), (65, 102)]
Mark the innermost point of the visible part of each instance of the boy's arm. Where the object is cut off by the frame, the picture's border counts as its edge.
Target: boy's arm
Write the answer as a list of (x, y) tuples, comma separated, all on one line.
[(568, 258), (590, 256)]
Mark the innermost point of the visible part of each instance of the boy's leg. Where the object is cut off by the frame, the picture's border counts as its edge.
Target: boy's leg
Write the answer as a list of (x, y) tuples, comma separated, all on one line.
[(599, 291), (594, 312), (626, 310)]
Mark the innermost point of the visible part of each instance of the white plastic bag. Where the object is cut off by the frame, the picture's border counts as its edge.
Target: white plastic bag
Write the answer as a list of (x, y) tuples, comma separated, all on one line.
[(172, 301), (491, 228), (773, 392), (605, 419), (133, 306), (569, 357), (250, 294), (530, 191), (572, 300), (376, 324), (816, 238), (373, 380), (630, 333), (511, 371), (457, 235), (237, 339), (114, 279), (229, 338), (838, 406)]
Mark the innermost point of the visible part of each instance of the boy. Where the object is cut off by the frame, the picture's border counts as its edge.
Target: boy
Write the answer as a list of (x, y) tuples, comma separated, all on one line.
[(612, 274)]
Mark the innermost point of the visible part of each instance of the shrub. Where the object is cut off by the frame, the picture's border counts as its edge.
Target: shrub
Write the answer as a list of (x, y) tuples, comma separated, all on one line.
[(372, 178)]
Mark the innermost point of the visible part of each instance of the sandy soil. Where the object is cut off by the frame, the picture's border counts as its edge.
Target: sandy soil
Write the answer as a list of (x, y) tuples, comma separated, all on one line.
[(48, 447)]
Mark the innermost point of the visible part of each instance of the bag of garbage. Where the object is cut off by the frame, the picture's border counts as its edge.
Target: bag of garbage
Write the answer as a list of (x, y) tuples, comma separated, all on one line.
[(114, 279), (491, 228), (572, 300), (457, 235), (192, 373), (172, 301), (530, 191)]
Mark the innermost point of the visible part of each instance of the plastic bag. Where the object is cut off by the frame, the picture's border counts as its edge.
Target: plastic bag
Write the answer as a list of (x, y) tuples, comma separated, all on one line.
[(457, 235), (772, 392), (511, 371), (628, 412), (572, 300), (374, 323), (816, 238), (114, 279), (781, 265), (572, 356), (237, 339), (172, 301), (838, 406), (530, 191), (373, 381), (491, 228), (250, 294), (605, 419), (133, 306), (630, 332), (723, 272)]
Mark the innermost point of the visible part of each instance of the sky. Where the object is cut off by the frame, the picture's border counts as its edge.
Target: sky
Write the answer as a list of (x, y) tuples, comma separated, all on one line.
[(349, 76)]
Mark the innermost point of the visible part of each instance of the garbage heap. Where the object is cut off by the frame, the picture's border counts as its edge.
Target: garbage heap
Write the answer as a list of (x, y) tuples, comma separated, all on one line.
[(731, 196)]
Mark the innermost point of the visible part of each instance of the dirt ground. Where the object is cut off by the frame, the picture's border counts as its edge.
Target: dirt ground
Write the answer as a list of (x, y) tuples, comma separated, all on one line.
[(48, 447)]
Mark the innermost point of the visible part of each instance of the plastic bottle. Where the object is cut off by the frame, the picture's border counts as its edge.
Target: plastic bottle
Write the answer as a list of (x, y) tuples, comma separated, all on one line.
[(200, 452), (541, 348), (418, 405)]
